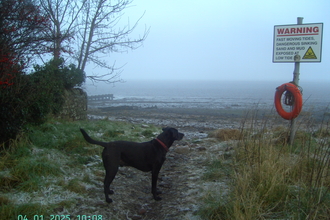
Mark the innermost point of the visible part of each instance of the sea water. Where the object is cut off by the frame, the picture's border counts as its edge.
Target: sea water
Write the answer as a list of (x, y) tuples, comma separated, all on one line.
[(207, 94)]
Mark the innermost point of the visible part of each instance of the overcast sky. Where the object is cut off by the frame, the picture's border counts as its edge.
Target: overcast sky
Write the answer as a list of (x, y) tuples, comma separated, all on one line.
[(219, 40)]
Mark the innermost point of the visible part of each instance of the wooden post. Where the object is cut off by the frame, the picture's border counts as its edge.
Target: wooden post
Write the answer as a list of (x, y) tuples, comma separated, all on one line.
[(295, 80)]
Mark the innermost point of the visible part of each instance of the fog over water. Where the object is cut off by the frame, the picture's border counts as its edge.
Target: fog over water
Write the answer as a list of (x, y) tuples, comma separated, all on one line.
[(197, 51), (208, 94)]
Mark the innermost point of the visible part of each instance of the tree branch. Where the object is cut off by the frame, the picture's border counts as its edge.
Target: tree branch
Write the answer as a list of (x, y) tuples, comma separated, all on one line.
[(98, 35)]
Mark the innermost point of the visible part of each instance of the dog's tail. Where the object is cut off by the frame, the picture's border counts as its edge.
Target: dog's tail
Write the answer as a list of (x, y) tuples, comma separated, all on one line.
[(90, 140)]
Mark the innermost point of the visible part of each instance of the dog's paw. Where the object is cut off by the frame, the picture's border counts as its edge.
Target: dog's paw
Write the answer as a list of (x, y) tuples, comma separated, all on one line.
[(111, 192), (157, 198), (108, 200)]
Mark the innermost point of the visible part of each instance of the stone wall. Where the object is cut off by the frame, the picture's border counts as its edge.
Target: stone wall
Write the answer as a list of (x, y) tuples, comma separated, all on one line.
[(75, 105)]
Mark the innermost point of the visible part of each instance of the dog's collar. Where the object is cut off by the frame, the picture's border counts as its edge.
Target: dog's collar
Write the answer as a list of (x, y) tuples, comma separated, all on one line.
[(161, 143)]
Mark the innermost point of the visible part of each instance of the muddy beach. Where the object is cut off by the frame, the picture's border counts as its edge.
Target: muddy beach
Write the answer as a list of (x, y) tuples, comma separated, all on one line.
[(201, 117), (197, 121)]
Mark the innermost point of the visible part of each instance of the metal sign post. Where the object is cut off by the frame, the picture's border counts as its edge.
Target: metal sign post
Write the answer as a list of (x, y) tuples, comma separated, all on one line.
[(295, 80)]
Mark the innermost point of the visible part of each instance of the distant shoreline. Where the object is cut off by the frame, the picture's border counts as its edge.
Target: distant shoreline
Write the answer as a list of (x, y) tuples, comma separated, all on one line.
[(192, 118)]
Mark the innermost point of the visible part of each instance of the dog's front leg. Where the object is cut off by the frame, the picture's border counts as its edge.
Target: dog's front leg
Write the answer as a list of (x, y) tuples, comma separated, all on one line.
[(155, 172)]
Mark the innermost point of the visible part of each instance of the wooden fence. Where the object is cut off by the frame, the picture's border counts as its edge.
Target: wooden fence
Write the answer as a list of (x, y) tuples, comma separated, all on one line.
[(104, 97)]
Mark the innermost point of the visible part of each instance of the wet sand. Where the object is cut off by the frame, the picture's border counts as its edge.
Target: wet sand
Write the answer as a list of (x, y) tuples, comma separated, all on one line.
[(196, 122)]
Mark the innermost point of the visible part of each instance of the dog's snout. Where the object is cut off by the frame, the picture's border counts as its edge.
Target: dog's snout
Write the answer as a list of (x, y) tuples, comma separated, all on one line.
[(180, 136)]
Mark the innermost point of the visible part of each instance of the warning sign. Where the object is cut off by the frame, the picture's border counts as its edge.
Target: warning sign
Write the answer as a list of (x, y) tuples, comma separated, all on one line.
[(304, 40)]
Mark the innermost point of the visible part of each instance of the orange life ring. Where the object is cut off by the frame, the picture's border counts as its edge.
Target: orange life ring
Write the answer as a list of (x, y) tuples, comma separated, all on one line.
[(297, 101)]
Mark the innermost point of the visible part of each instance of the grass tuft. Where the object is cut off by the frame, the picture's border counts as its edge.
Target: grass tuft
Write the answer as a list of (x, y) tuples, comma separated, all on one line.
[(216, 169), (226, 134), (272, 180), (75, 185)]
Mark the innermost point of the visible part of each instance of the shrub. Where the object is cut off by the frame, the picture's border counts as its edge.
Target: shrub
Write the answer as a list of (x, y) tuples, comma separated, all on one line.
[(12, 108), (22, 27), (72, 77), (31, 98)]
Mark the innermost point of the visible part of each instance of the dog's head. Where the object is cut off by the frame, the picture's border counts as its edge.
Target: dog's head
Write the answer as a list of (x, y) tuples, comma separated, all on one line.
[(175, 134)]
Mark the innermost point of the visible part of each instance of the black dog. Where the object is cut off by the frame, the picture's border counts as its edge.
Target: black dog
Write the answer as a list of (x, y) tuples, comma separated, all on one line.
[(147, 156)]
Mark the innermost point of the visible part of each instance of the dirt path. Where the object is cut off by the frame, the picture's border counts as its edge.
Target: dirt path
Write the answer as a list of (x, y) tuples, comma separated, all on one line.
[(180, 179)]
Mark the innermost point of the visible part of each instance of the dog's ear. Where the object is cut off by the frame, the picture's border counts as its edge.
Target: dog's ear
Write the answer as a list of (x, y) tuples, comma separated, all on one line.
[(175, 133)]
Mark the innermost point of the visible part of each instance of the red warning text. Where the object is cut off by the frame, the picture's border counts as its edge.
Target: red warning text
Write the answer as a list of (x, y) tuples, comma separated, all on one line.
[(296, 31)]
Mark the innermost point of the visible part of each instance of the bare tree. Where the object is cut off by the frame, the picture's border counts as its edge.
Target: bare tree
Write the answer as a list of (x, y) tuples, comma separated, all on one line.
[(100, 34), (63, 15), (95, 28)]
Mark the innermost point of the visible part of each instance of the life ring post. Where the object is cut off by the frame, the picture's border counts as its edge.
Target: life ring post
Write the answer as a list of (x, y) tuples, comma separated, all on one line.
[(296, 73)]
